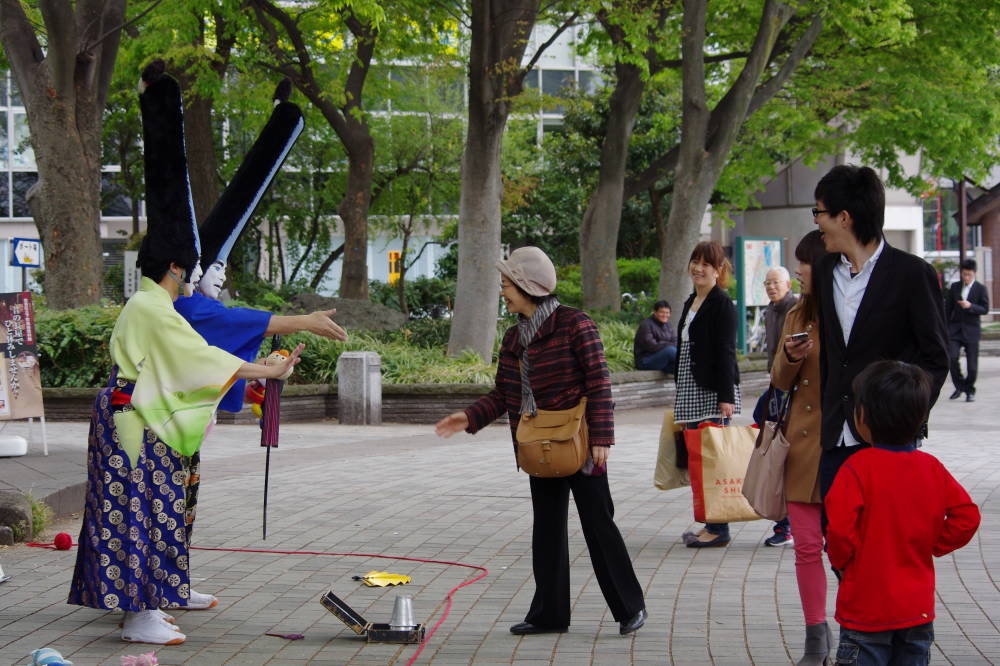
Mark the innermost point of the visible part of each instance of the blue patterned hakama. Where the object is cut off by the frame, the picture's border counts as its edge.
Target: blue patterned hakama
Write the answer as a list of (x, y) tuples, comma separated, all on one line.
[(133, 551)]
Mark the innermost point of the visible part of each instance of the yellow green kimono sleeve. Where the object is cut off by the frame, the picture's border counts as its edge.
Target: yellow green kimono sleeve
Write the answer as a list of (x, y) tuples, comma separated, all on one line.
[(179, 378)]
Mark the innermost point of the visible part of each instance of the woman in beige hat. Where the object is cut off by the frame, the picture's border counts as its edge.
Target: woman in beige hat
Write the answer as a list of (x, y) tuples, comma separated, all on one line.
[(551, 359)]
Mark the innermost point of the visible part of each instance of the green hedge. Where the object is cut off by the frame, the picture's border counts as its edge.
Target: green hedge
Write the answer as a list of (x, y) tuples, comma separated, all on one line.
[(73, 345)]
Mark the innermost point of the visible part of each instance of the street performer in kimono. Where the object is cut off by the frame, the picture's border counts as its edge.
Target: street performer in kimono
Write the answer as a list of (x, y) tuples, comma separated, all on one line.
[(165, 384)]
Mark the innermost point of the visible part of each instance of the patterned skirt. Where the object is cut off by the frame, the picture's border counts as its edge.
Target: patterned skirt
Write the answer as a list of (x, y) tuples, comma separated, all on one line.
[(133, 551), (692, 402)]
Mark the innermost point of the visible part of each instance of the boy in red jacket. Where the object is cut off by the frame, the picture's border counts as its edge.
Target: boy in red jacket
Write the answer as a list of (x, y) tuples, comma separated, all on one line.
[(891, 509)]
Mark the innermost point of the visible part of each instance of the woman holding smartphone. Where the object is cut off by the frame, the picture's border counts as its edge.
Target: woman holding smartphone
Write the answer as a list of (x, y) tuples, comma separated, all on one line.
[(708, 379), (796, 368)]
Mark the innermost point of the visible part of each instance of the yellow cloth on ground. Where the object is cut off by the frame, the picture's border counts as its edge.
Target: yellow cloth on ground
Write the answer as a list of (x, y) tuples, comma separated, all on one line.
[(179, 379)]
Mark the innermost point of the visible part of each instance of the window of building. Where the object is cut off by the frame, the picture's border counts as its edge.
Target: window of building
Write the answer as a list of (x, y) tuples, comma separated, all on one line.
[(556, 82), (22, 155), (114, 202), (4, 194), (22, 180)]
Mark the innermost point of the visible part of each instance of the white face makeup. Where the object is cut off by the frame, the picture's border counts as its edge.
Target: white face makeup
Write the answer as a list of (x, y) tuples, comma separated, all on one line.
[(211, 283), (195, 275)]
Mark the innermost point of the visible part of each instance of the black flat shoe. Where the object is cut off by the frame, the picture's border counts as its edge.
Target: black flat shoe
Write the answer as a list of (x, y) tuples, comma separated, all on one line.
[(637, 621), (525, 628), (970, 397), (956, 395)]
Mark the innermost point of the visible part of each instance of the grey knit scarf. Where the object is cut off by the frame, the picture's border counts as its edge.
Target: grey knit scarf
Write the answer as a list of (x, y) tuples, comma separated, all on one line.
[(527, 328)]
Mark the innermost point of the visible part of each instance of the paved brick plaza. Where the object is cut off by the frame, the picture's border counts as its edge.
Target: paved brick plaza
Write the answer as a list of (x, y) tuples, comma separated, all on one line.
[(398, 490)]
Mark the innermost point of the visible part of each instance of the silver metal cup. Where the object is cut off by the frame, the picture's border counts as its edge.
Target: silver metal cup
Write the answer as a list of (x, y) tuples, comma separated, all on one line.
[(402, 613)]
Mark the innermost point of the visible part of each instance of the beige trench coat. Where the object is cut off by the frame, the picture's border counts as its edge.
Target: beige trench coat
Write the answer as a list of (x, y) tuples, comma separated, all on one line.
[(804, 418)]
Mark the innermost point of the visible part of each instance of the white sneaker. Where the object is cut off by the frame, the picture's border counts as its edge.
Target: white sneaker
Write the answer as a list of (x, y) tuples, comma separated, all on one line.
[(148, 627), (169, 619), (199, 601)]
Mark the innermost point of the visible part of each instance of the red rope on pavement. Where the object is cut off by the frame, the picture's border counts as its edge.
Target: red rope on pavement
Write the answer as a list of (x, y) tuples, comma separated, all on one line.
[(448, 598)]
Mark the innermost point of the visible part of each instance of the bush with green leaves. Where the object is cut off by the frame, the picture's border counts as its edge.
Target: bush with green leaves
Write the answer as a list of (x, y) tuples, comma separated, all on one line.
[(423, 295), (73, 344)]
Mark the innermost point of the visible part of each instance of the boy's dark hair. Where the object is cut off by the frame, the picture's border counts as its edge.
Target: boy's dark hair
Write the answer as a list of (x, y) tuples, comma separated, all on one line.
[(968, 265), (896, 398), (860, 192), (155, 257), (661, 304)]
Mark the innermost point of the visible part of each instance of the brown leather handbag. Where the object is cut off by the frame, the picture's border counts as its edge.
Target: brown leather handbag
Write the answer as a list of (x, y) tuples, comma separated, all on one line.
[(553, 443)]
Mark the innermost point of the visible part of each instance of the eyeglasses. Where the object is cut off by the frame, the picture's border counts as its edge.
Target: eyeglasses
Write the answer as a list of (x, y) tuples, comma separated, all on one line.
[(817, 211)]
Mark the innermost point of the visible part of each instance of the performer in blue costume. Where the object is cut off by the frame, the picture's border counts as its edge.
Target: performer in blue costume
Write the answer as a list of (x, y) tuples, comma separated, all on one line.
[(240, 331)]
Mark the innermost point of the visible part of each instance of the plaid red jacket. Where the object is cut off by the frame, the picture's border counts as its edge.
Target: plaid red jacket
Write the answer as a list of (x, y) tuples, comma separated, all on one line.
[(567, 364)]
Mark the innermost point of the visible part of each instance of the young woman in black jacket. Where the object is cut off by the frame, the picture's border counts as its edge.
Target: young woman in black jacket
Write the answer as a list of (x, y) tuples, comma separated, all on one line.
[(708, 379)]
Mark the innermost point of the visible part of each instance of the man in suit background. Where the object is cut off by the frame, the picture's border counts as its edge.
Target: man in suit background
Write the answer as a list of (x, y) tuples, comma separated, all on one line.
[(967, 301), (876, 303)]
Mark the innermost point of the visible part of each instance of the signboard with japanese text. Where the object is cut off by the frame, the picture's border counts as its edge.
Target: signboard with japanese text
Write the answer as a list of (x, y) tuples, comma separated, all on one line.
[(21, 375), (26, 252), (755, 256)]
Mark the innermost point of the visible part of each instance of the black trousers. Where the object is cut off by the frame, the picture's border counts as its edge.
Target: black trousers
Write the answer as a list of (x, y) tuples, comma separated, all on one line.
[(550, 606), (967, 383)]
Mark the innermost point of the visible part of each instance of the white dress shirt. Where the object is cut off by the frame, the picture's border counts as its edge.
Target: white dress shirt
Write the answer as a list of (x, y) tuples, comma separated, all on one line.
[(965, 291), (848, 291)]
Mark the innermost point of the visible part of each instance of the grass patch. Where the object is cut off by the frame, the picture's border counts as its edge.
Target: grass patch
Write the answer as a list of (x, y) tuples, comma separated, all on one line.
[(41, 515)]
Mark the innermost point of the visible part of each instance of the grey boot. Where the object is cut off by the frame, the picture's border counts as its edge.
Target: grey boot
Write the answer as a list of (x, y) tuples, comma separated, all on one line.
[(819, 642)]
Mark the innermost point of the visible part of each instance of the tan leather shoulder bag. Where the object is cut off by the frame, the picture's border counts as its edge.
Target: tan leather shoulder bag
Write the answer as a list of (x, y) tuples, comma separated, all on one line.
[(553, 443)]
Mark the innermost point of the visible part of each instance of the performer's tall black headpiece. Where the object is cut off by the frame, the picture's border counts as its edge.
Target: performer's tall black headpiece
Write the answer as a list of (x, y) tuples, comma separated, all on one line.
[(227, 220), (171, 230)]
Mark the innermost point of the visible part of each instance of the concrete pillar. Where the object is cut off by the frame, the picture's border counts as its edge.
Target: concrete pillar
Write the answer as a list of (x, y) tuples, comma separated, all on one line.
[(359, 388)]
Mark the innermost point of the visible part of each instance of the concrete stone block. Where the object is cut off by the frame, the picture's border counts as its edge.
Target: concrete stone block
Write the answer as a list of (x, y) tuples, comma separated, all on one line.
[(359, 388)]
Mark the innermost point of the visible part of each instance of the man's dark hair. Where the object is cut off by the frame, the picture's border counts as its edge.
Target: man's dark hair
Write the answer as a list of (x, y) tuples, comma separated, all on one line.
[(896, 398), (860, 192), (661, 304), (968, 265)]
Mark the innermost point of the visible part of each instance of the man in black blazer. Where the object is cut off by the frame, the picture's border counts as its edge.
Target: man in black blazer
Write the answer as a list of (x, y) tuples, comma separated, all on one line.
[(967, 301), (876, 303)]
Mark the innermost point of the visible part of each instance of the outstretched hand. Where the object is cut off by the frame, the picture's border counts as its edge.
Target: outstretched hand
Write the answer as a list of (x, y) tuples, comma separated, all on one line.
[(449, 425), (321, 324)]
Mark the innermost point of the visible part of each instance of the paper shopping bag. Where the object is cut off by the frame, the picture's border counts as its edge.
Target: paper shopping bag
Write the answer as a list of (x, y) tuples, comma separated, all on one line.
[(717, 460), (667, 475)]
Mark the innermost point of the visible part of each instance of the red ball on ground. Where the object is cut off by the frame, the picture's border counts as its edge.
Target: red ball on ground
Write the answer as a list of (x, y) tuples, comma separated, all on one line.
[(63, 541)]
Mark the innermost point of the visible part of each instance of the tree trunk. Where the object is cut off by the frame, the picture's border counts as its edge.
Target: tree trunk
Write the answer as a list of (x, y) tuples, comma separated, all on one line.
[(474, 325), (66, 206), (692, 191), (601, 221), (203, 166), (500, 31), (353, 210), (707, 136)]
